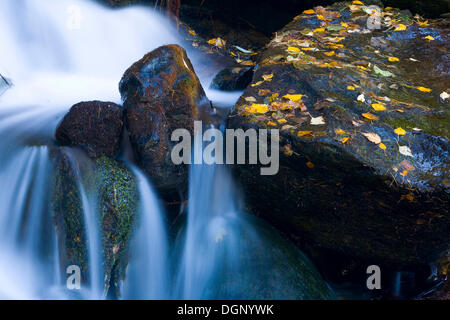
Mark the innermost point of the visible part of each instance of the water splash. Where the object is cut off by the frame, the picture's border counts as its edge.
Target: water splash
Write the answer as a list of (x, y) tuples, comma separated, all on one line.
[(147, 273)]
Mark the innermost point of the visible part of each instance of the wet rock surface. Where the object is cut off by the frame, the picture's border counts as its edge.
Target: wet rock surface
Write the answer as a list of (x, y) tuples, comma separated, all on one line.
[(161, 93), (233, 78), (364, 133), (94, 126), (115, 188)]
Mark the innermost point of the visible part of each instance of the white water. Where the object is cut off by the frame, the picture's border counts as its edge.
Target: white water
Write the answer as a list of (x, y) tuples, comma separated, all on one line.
[(58, 53)]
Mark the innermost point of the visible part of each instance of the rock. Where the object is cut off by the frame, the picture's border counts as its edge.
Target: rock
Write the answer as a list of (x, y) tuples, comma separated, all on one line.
[(338, 187), (233, 78), (4, 84), (115, 187), (161, 93), (94, 126)]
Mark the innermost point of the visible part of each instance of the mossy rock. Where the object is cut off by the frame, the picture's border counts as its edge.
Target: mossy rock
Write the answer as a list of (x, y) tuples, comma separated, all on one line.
[(118, 197), (335, 187)]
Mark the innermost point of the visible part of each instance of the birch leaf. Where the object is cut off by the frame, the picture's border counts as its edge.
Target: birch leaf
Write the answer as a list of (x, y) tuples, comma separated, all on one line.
[(372, 137), (405, 151)]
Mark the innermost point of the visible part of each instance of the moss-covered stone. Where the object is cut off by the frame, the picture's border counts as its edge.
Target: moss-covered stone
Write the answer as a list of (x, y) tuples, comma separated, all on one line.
[(335, 187), (116, 188)]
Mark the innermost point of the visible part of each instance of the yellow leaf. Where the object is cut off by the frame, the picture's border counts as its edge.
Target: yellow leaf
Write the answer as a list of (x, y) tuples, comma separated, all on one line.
[(307, 49), (423, 89), (257, 108), (388, 8), (321, 17), (430, 38), (394, 59), (293, 97), (343, 24), (293, 49), (344, 140), (400, 131), (248, 63), (310, 165), (404, 173), (281, 121), (330, 53), (409, 197), (310, 11), (362, 68), (340, 131), (256, 84), (271, 123), (382, 146), (370, 116), (378, 107), (218, 42), (423, 23), (192, 32), (372, 137), (267, 77), (356, 2), (303, 133), (319, 30), (400, 27), (351, 88)]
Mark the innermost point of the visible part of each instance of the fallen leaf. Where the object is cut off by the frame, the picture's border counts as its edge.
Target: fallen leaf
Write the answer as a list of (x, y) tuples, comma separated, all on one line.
[(382, 146), (344, 140), (310, 11), (250, 99), (444, 95), (405, 151), (319, 30), (394, 59), (293, 49), (382, 72), (378, 107), (317, 121), (281, 121), (310, 165), (423, 89), (370, 116), (267, 77), (372, 137), (293, 97), (218, 42), (256, 84), (330, 53), (257, 108), (361, 98), (400, 131), (304, 133), (400, 27), (429, 38), (340, 131), (356, 2), (287, 127), (271, 123), (351, 88)]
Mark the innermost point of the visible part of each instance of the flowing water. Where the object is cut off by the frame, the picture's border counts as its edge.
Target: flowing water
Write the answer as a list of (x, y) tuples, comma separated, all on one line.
[(58, 53)]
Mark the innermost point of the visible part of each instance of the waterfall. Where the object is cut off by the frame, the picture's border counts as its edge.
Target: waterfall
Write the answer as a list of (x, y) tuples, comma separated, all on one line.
[(147, 274)]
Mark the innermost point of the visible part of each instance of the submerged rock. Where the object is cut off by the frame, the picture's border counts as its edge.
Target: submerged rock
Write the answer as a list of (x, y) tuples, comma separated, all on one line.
[(114, 188), (94, 126), (233, 78), (364, 133), (161, 93)]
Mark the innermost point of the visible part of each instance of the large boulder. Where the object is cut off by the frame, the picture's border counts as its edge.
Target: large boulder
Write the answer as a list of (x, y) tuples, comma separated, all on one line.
[(115, 187), (363, 118), (161, 93), (94, 126)]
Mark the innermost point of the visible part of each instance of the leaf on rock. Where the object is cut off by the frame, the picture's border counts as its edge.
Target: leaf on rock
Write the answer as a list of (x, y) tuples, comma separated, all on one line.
[(344, 140), (400, 131), (382, 72), (400, 27), (406, 151), (423, 89), (257, 108), (317, 121), (429, 38), (267, 77), (340, 131), (394, 59), (250, 99), (444, 96), (382, 146), (372, 137), (310, 11), (293, 97), (378, 107), (361, 98), (304, 133), (370, 116)]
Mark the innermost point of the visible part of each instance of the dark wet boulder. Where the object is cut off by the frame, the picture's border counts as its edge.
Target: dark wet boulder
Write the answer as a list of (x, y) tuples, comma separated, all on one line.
[(233, 78), (114, 187), (161, 93), (94, 126), (364, 134)]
